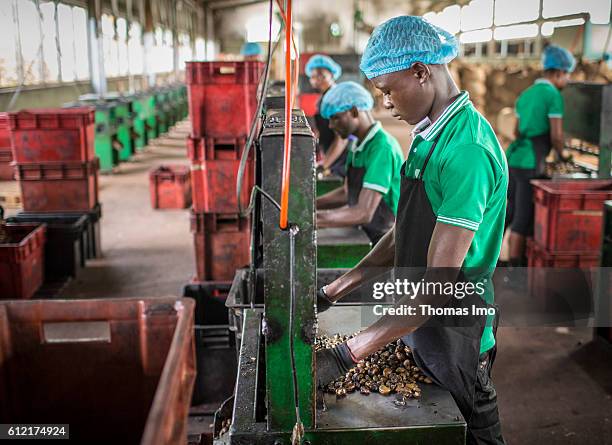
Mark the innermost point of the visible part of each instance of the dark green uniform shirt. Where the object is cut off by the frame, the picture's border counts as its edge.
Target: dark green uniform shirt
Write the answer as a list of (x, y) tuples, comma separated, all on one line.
[(381, 156), (466, 181), (534, 107)]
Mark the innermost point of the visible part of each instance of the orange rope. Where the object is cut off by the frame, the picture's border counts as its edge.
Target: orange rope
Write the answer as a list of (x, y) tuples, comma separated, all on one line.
[(288, 106)]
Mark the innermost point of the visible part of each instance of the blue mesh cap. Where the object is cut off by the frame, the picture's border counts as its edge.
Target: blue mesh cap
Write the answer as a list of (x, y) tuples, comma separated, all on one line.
[(557, 58), (321, 61), (345, 96), (251, 49), (401, 41)]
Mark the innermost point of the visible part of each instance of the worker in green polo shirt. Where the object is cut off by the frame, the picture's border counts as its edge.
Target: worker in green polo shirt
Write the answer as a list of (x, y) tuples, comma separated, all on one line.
[(322, 72), (539, 111), (371, 188), (448, 230)]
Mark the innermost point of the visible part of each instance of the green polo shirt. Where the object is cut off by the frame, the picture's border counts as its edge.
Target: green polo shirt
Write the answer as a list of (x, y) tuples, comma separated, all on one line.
[(466, 181), (534, 108), (381, 156)]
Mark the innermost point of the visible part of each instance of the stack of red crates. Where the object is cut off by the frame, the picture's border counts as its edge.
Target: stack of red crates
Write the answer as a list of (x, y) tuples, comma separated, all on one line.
[(567, 233), (54, 159), (6, 153), (222, 106)]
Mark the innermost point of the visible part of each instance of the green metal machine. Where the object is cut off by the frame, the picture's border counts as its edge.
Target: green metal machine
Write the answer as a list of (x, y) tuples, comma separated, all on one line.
[(341, 247), (140, 110), (161, 110), (326, 184), (106, 145), (151, 115), (174, 104), (183, 101), (276, 389), (125, 131)]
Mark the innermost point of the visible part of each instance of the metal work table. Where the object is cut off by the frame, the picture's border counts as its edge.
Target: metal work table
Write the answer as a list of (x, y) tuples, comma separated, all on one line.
[(341, 247), (435, 408), (354, 419)]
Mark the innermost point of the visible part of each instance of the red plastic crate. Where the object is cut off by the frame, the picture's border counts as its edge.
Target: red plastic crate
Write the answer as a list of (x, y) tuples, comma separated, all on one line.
[(221, 244), (213, 185), (53, 135), (22, 266), (5, 131), (222, 97), (550, 276), (170, 187), (308, 103), (58, 187), (569, 214), (129, 362), (6, 167), (208, 149)]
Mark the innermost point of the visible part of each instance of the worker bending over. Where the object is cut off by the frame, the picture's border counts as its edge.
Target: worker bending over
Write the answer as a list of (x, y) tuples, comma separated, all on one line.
[(371, 188), (539, 127), (323, 73), (449, 226)]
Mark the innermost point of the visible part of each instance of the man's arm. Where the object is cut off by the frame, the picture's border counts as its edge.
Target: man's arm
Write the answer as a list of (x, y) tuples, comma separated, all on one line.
[(361, 213), (517, 132), (334, 152), (556, 135), (380, 257), (333, 199), (447, 250)]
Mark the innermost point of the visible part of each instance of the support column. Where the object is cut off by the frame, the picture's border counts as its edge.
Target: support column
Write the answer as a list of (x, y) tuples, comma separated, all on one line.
[(210, 34), (96, 49)]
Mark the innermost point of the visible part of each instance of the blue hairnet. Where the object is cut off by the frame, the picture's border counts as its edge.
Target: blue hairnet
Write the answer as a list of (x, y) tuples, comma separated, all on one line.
[(557, 58), (321, 61), (250, 49), (401, 41), (345, 96)]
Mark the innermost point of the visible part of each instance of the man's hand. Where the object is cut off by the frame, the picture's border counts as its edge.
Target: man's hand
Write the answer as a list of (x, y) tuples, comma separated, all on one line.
[(564, 156), (332, 363), (323, 301)]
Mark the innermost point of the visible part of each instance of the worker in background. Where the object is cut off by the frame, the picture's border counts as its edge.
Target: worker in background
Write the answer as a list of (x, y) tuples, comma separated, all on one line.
[(251, 51), (539, 128), (449, 226), (323, 73), (371, 188)]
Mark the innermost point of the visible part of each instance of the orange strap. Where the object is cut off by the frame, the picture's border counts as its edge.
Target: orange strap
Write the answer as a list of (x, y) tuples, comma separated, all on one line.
[(288, 106)]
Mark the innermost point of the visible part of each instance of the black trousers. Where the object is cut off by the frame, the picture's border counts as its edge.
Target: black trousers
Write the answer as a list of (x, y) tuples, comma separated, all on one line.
[(484, 426)]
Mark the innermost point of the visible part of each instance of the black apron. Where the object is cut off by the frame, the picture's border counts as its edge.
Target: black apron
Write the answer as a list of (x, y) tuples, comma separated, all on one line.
[(383, 218), (541, 147), (447, 349)]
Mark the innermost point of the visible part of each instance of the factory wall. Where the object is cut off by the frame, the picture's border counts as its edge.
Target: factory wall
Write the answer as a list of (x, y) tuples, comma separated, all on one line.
[(315, 18), (57, 95)]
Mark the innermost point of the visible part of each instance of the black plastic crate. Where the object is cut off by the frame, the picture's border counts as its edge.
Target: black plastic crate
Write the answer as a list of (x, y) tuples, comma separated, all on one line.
[(210, 299), (216, 359), (65, 248), (92, 238), (216, 364)]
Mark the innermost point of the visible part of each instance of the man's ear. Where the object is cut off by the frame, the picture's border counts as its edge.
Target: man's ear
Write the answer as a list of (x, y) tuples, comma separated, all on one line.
[(354, 113), (421, 72)]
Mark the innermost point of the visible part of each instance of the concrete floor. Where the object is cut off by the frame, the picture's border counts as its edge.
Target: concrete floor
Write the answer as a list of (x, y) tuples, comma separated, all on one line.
[(554, 386), (146, 252)]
